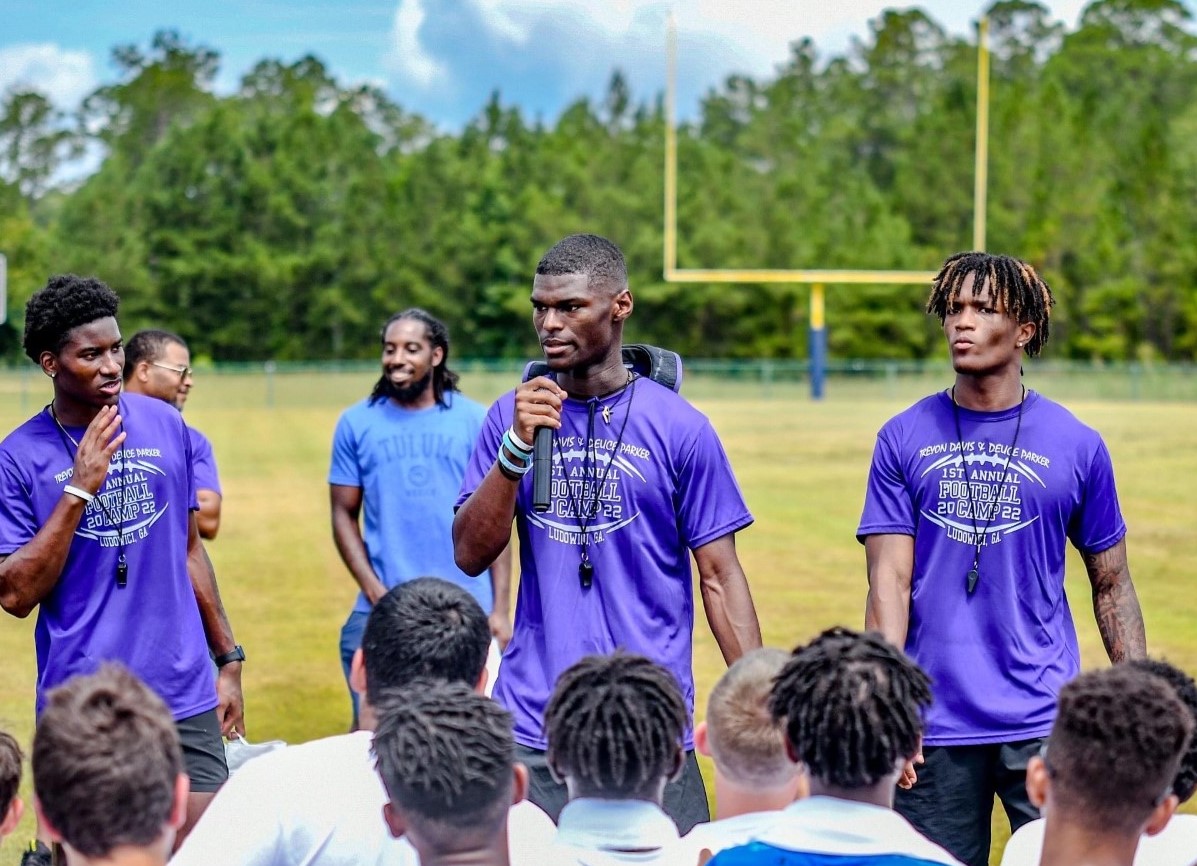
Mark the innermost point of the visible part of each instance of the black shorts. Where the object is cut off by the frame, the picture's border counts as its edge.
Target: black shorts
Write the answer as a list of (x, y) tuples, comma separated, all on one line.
[(203, 752)]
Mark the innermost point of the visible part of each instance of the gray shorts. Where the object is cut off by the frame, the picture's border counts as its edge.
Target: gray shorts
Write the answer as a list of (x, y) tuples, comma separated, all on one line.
[(203, 752)]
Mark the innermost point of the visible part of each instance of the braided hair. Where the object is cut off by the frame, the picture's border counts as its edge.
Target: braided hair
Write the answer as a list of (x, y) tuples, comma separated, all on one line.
[(443, 379), (615, 724), (1025, 294), (445, 753), (852, 705)]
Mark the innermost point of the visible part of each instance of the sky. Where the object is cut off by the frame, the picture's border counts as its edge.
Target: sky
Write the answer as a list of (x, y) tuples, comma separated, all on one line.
[(443, 58)]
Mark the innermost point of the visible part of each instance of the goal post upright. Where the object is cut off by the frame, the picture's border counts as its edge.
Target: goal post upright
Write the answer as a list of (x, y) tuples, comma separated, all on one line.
[(816, 278)]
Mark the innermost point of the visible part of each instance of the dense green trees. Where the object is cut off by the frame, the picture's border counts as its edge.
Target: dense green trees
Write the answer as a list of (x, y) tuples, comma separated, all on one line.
[(286, 220)]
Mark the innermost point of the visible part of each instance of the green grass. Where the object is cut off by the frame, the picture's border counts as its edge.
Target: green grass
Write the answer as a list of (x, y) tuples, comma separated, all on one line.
[(802, 466)]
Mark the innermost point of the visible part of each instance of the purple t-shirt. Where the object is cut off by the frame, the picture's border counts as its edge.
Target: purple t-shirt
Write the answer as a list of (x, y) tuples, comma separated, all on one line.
[(665, 491), (151, 625), (203, 462), (999, 656)]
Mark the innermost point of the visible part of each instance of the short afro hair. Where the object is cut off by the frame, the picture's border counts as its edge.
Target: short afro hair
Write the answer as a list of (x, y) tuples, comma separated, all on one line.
[(63, 304), (1186, 689), (597, 258), (149, 345), (1115, 747)]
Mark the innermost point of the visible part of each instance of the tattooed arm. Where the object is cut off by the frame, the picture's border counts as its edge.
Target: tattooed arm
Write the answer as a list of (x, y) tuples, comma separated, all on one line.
[(1115, 604)]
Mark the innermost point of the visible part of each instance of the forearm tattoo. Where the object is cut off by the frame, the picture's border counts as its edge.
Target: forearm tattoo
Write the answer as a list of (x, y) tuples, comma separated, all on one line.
[(1116, 604)]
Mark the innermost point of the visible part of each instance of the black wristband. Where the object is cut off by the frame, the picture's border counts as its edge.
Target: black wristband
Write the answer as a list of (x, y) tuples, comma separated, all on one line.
[(236, 654)]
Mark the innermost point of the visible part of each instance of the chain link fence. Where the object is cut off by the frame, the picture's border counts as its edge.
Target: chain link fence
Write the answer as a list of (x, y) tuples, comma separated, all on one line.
[(337, 384)]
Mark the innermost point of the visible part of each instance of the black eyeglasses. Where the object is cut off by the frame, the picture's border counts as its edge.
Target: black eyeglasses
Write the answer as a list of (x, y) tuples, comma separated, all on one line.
[(182, 372)]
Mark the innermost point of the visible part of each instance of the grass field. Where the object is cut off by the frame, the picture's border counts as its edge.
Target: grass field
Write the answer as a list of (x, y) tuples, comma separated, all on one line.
[(802, 466)]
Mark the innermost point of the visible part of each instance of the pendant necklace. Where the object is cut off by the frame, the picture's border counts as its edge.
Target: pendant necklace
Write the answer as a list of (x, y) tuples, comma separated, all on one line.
[(122, 565), (608, 408), (974, 573), (586, 509)]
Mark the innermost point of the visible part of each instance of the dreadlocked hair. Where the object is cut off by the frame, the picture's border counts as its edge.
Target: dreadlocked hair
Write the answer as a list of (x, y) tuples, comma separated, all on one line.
[(615, 724), (443, 379), (63, 304), (445, 752), (852, 705), (1026, 296)]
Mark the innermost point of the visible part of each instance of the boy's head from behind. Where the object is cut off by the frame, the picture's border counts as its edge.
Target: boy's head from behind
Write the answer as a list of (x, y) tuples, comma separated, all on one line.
[(107, 766), (11, 806)]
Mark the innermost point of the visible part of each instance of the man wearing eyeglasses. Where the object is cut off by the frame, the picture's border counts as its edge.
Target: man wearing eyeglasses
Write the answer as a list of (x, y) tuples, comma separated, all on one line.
[(158, 364)]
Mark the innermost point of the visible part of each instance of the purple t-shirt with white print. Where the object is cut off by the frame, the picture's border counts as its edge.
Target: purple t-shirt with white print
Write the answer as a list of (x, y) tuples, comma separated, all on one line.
[(999, 656), (152, 624), (663, 487)]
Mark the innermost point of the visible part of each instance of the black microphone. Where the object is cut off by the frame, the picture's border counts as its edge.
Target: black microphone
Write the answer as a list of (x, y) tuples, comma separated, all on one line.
[(542, 469)]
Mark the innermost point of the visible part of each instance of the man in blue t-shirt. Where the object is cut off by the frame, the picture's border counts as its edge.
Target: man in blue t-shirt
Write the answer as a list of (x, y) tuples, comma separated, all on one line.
[(98, 531), (973, 494), (400, 456), (639, 481), (158, 364)]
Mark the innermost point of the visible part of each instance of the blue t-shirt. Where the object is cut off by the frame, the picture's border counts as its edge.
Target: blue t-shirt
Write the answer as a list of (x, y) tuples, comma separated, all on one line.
[(409, 465), (827, 831), (152, 624), (203, 461), (999, 656), (652, 484)]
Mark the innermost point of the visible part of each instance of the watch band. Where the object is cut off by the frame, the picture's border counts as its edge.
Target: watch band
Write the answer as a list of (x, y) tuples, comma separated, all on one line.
[(236, 654)]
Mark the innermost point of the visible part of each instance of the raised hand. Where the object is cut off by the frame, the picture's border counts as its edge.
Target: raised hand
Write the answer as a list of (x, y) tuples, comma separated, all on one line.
[(100, 441)]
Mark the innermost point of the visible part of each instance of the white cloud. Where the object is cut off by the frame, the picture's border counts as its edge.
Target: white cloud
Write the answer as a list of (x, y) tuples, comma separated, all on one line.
[(408, 55), (64, 76), (754, 35)]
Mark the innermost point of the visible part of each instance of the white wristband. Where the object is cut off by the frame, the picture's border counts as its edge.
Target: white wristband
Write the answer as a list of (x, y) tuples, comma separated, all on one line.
[(79, 492), (515, 437)]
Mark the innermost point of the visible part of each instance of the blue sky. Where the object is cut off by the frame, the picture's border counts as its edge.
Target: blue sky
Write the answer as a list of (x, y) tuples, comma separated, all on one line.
[(442, 58)]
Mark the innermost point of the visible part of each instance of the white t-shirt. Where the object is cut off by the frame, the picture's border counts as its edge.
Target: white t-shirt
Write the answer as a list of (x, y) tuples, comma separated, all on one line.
[(592, 832), (728, 832), (1176, 845), (829, 825), (320, 804)]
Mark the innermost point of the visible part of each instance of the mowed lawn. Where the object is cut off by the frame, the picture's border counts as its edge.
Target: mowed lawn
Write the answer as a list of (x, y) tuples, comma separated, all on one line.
[(802, 466)]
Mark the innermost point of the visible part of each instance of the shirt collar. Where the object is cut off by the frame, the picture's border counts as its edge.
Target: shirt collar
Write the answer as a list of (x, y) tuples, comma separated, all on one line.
[(615, 825)]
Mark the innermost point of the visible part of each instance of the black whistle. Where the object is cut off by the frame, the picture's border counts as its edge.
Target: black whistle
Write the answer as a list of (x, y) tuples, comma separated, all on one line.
[(122, 573), (972, 580)]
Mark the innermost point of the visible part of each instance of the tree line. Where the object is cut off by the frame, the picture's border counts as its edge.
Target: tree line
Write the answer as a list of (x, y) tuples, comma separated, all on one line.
[(286, 220)]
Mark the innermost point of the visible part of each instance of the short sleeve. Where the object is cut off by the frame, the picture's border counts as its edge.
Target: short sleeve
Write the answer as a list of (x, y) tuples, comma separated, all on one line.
[(486, 447), (710, 504), (345, 469), (203, 462), (18, 524), (1097, 523), (888, 508), (189, 464)]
